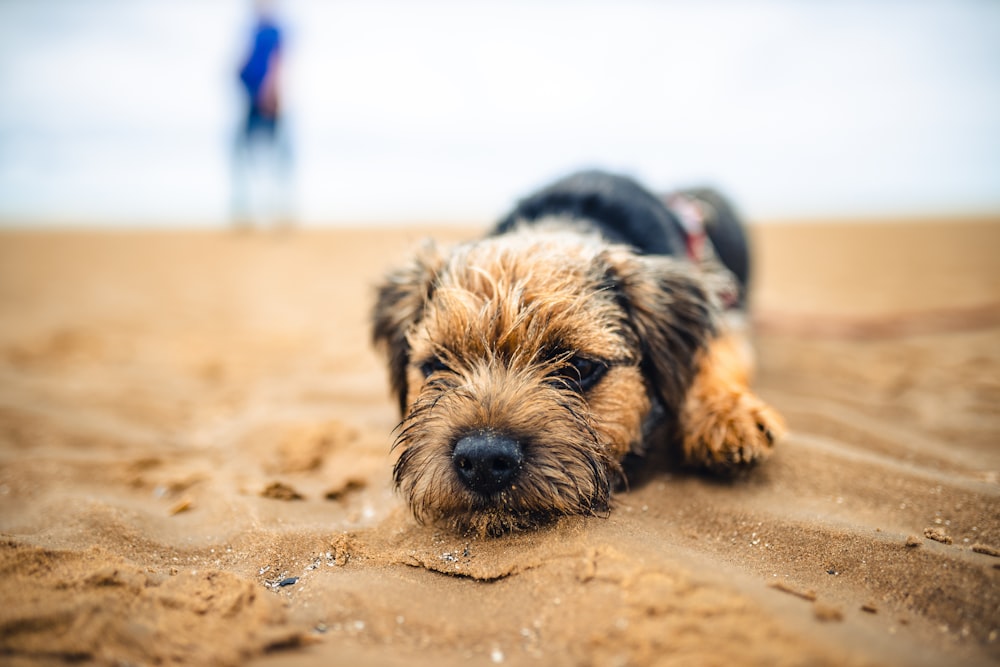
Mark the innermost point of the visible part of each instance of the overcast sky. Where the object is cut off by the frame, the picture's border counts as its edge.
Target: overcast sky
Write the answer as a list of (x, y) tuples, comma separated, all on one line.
[(123, 111)]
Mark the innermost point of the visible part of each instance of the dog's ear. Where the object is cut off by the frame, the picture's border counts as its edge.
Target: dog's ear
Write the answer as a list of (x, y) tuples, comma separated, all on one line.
[(402, 297), (673, 309)]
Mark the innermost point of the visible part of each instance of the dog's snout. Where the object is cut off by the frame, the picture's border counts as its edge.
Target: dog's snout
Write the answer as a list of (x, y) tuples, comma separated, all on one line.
[(487, 462)]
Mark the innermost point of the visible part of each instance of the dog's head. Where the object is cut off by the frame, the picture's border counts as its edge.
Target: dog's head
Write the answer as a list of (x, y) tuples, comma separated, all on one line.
[(526, 365)]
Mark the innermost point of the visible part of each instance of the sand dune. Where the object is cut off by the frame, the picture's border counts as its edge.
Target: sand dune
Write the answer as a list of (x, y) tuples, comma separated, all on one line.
[(194, 469)]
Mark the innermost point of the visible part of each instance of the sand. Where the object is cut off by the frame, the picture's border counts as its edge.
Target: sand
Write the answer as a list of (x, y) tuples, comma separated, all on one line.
[(195, 469)]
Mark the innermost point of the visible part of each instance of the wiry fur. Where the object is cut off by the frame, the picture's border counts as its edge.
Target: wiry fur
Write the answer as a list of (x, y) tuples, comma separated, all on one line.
[(481, 339)]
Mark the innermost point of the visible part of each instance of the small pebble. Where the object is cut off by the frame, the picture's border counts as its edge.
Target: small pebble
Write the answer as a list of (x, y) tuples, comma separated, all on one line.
[(937, 535), (827, 613), (183, 506), (985, 549)]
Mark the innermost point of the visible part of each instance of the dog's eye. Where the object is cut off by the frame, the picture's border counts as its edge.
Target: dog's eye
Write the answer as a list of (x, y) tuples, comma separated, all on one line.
[(431, 366), (583, 372)]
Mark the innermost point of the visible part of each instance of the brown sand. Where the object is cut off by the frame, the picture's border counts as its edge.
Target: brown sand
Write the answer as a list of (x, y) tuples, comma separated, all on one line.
[(194, 469)]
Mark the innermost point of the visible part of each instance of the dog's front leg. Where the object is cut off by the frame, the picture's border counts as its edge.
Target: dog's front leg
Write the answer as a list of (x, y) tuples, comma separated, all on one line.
[(724, 426)]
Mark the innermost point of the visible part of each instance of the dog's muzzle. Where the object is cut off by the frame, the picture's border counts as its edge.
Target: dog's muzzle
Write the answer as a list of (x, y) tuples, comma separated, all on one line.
[(486, 461)]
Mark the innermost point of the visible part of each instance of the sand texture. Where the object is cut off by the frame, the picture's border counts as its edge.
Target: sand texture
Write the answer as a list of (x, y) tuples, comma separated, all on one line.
[(195, 469)]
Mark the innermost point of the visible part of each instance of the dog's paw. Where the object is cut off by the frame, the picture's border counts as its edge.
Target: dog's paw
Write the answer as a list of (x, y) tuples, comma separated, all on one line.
[(730, 430)]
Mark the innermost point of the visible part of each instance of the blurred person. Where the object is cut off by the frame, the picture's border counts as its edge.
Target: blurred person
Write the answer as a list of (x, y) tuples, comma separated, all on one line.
[(262, 155)]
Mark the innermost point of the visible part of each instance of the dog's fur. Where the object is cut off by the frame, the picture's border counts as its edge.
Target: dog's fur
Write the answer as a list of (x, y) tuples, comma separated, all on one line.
[(575, 333)]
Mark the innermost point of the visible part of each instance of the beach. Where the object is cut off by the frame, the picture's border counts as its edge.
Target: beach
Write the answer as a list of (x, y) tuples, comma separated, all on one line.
[(195, 468)]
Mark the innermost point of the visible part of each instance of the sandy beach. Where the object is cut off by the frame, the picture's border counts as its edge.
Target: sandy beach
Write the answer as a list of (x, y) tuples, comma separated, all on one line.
[(195, 469)]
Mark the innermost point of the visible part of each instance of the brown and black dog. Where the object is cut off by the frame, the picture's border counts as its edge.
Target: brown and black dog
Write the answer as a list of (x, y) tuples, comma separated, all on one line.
[(583, 328)]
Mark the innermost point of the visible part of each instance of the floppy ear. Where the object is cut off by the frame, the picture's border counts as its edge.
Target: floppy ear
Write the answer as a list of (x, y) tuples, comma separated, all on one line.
[(402, 296), (673, 309)]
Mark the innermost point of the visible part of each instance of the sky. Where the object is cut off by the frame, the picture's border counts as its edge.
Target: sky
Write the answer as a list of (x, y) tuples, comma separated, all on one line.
[(124, 112)]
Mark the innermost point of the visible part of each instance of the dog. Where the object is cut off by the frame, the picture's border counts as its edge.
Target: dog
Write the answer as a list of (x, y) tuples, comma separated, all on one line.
[(587, 325)]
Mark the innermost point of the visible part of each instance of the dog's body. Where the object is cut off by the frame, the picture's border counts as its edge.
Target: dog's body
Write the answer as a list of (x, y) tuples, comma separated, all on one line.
[(529, 363)]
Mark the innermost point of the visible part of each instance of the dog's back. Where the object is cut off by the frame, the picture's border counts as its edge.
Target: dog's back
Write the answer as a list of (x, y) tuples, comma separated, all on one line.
[(625, 212), (621, 209)]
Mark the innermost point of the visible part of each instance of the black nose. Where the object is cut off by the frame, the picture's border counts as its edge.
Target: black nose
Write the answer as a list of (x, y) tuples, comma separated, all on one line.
[(486, 461)]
